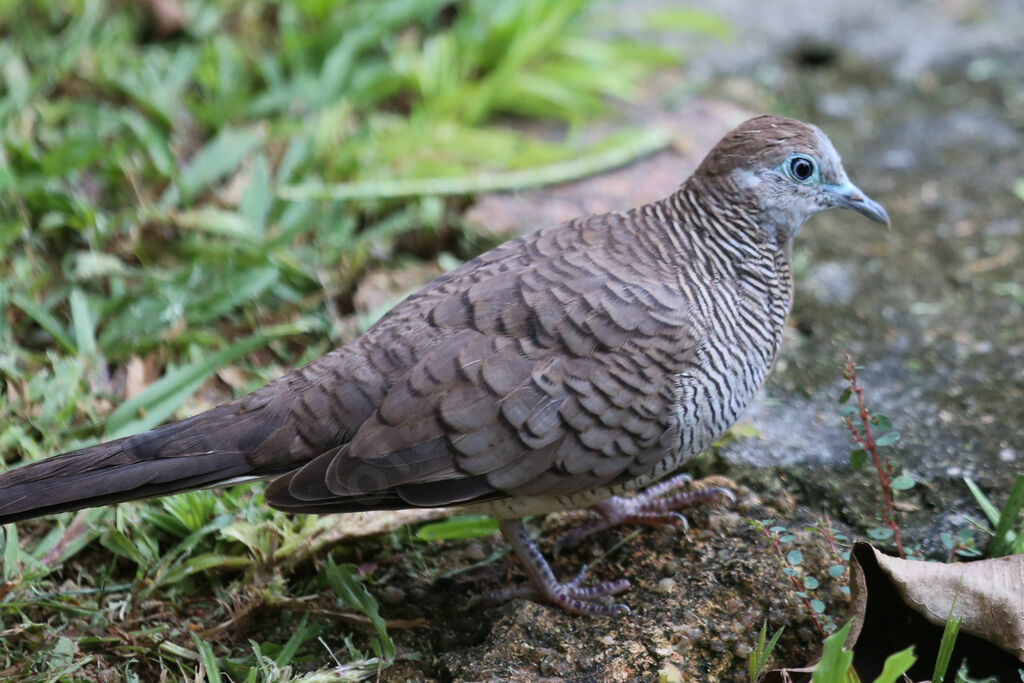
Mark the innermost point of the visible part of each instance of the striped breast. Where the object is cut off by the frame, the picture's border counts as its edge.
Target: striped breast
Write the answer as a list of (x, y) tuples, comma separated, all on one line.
[(741, 289)]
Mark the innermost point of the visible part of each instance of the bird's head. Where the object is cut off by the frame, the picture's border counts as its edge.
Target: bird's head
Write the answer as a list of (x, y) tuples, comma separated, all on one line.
[(788, 171)]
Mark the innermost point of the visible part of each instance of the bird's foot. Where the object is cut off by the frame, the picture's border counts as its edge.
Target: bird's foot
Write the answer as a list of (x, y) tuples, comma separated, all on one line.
[(544, 587), (657, 505), (570, 596)]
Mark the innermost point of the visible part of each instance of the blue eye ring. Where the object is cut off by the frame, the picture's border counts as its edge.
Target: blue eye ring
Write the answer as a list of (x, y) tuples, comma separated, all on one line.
[(801, 168)]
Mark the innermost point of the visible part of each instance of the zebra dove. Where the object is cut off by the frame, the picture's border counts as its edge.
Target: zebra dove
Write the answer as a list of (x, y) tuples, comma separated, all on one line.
[(559, 370)]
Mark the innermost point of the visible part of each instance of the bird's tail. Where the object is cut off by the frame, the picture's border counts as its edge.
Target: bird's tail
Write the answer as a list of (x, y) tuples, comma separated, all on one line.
[(199, 452)]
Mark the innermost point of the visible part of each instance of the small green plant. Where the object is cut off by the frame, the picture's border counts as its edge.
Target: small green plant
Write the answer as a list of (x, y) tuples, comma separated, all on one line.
[(353, 594), (1007, 533), (871, 433), (838, 568), (762, 652), (948, 642), (836, 664), (791, 565), (960, 545)]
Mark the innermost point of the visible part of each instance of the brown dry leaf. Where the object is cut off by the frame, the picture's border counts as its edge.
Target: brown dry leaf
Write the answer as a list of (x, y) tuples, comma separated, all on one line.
[(135, 379), (168, 16), (13, 394), (990, 601), (331, 530), (233, 377), (140, 373), (5, 588), (898, 603), (388, 286), (79, 527)]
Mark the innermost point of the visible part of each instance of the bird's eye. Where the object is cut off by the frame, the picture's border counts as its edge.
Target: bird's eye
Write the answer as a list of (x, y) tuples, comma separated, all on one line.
[(801, 168)]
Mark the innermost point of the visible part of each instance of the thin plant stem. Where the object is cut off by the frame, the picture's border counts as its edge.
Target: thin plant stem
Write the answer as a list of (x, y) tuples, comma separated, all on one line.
[(798, 587), (865, 440)]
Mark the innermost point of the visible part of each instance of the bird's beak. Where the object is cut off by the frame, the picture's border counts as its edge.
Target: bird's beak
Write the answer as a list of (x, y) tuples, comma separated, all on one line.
[(850, 196)]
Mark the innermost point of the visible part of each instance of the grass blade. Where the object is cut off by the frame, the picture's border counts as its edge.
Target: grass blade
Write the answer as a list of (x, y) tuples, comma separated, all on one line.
[(896, 665), (5, 325), (353, 593), (257, 199), (1005, 540), (215, 222), (990, 510), (303, 632), (207, 659), (464, 526), (763, 651), (45, 320), (12, 553), (219, 157), (633, 147), (160, 399), (948, 642), (835, 662), (83, 324), (690, 20)]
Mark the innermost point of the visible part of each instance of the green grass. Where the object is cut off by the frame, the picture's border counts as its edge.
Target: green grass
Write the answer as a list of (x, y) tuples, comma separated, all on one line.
[(156, 261), (1006, 531), (762, 652), (836, 663)]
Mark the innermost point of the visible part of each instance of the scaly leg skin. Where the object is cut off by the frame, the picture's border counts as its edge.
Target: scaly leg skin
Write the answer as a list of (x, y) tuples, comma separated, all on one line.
[(650, 507), (543, 585)]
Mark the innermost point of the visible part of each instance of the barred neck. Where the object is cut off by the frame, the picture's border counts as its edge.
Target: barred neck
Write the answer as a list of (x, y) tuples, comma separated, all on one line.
[(719, 213)]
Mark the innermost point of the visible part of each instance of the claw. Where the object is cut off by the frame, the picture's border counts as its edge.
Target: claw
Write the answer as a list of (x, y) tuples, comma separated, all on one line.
[(543, 586), (650, 508), (580, 575)]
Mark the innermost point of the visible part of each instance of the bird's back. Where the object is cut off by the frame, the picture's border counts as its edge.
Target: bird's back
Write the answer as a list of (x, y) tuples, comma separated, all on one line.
[(575, 362)]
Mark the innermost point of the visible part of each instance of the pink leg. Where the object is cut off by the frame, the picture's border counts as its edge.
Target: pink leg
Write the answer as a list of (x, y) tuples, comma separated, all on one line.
[(543, 585), (650, 508)]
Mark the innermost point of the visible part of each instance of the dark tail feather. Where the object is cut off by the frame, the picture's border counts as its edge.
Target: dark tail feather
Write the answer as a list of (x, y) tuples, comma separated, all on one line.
[(178, 457)]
